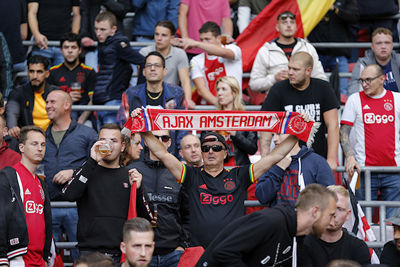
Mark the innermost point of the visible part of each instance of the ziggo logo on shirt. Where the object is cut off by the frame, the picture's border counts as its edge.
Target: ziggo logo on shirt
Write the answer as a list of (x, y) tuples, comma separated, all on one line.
[(207, 199), (32, 207), (216, 72), (371, 118)]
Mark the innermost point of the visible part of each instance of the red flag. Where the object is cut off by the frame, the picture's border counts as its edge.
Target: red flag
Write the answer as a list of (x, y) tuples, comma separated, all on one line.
[(132, 209), (262, 28)]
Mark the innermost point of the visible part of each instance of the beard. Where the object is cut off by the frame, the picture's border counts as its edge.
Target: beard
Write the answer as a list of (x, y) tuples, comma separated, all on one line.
[(133, 264), (317, 229), (37, 87), (298, 83)]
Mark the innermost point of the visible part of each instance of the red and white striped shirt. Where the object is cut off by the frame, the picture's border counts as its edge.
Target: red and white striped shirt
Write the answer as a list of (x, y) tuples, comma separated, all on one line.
[(375, 133)]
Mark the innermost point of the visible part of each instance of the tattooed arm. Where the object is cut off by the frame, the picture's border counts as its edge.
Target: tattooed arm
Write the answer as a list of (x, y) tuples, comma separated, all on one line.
[(351, 162)]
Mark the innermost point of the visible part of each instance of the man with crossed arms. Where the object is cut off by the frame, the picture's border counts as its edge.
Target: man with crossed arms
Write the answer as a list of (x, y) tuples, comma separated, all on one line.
[(216, 196)]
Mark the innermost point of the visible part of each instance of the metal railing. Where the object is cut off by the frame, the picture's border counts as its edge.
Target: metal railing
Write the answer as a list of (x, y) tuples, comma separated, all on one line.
[(246, 74), (368, 203)]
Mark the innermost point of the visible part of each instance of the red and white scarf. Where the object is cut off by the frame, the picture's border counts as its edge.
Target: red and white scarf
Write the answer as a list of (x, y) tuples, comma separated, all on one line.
[(224, 120)]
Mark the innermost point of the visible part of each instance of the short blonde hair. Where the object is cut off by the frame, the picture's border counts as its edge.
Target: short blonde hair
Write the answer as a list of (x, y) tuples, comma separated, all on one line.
[(303, 57), (235, 87)]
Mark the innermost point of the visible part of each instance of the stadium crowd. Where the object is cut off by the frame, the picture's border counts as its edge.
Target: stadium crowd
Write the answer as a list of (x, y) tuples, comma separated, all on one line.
[(168, 198)]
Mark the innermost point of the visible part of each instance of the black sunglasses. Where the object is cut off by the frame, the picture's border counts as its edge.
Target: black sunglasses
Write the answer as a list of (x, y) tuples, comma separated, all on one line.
[(215, 148), (164, 138), (287, 15)]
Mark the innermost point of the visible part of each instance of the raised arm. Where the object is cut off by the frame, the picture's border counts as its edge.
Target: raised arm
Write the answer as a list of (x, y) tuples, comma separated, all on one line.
[(265, 143), (351, 162), (279, 152), (159, 150), (211, 49)]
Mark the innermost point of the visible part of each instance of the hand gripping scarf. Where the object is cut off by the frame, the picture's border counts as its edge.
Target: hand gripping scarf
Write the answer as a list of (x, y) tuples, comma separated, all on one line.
[(224, 120)]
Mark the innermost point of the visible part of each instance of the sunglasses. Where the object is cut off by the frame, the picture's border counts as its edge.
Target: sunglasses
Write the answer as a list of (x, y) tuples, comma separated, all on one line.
[(164, 138), (215, 148), (287, 15)]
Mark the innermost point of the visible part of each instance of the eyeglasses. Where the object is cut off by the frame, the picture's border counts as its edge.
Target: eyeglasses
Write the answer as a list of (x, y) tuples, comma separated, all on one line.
[(215, 148), (164, 138), (155, 65), (286, 15), (367, 80)]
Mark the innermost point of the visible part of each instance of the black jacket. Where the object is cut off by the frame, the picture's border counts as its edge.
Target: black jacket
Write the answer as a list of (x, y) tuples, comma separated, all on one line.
[(14, 233), (90, 9), (115, 72), (164, 192), (20, 104), (102, 196), (262, 238)]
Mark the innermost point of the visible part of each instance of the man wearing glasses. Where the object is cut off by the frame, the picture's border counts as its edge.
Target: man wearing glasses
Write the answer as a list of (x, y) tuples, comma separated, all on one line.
[(369, 134), (215, 195), (271, 63), (164, 194), (381, 53), (154, 93)]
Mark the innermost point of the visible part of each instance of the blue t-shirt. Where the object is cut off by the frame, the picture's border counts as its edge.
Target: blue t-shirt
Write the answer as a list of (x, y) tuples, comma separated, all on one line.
[(390, 82)]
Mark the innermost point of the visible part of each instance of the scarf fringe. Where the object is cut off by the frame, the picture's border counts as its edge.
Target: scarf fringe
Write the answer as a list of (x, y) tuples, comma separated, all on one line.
[(314, 130)]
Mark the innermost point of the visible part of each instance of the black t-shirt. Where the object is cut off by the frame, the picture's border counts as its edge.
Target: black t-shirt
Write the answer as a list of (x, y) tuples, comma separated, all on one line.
[(214, 201), (62, 77), (320, 253), (54, 17), (315, 100), (12, 15), (390, 255), (156, 99), (287, 48)]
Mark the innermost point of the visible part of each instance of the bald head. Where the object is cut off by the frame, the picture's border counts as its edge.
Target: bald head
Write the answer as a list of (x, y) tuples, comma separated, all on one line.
[(190, 150), (372, 80), (58, 105), (374, 68), (303, 57)]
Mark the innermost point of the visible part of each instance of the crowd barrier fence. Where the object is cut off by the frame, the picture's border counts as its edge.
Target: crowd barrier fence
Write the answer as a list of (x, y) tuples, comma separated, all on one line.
[(367, 203)]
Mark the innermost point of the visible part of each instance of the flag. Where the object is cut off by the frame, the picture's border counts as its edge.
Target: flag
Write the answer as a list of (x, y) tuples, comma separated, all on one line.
[(357, 223), (132, 209), (55, 258), (262, 28)]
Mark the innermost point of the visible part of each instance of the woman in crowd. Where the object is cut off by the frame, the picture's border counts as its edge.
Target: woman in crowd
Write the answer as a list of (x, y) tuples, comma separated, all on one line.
[(241, 144), (133, 148)]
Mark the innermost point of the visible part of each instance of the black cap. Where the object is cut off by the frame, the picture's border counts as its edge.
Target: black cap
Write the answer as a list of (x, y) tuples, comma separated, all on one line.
[(213, 136)]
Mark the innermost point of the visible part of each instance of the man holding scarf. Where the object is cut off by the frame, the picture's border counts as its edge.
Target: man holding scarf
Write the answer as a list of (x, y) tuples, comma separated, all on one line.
[(215, 195)]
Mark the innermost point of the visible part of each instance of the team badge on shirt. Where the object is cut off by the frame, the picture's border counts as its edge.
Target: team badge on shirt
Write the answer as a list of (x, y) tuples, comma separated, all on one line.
[(388, 106), (41, 192), (229, 184)]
